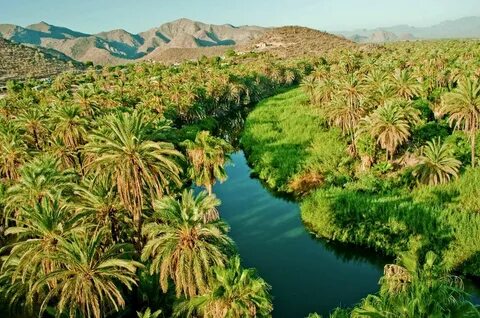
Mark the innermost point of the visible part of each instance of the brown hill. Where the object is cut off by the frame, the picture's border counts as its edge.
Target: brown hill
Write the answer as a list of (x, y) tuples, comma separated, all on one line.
[(21, 62), (119, 46), (177, 55), (295, 41)]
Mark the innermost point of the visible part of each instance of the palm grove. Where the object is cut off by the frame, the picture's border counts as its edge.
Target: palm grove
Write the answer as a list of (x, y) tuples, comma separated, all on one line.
[(380, 148), (97, 219)]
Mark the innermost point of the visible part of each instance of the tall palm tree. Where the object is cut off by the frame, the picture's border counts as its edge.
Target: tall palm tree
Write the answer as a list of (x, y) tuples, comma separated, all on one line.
[(13, 154), (326, 89), (37, 233), (123, 152), (437, 164), (346, 115), (463, 106), (390, 125), (85, 98), (404, 85), (90, 279), (184, 242), (70, 132), (235, 292), (98, 199), (40, 178), (70, 126), (308, 85), (413, 290), (34, 124), (207, 156)]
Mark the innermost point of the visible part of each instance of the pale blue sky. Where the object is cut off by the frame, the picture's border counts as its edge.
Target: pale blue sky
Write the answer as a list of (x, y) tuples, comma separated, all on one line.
[(93, 16)]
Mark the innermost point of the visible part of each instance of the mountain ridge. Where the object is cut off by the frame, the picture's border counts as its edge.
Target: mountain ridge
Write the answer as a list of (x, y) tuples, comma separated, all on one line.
[(120, 46), (465, 27)]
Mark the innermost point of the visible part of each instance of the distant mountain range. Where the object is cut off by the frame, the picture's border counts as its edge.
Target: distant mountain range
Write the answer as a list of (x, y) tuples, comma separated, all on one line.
[(186, 39), (120, 46), (468, 27)]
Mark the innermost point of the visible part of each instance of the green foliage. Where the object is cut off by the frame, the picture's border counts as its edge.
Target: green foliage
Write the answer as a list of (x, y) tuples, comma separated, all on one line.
[(149, 314), (285, 139), (235, 292), (207, 156), (415, 290), (441, 218), (185, 239), (437, 164), (85, 158)]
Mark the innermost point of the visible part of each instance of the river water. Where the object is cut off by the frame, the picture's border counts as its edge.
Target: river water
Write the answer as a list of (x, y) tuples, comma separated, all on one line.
[(306, 274)]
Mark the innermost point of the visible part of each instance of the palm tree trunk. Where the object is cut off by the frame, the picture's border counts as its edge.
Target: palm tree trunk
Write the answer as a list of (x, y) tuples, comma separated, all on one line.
[(35, 138), (473, 141), (80, 162), (113, 226), (209, 188), (137, 222)]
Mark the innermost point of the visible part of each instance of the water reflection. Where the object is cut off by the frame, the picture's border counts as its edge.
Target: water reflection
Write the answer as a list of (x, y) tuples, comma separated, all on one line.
[(306, 274)]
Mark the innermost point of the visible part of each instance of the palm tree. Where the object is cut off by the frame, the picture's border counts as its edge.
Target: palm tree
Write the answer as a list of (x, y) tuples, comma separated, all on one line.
[(123, 153), (390, 125), (326, 89), (37, 233), (309, 85), (70, 126), (463, 106), (184, 242), (149, 314), (235, 292), (404, 85), (84, 97), (71, 132), (346, 115), (98, 200), (437, 164), (413, 290), (207, 156), (13, 154), (40, 178), (34, 124), (89, 280)]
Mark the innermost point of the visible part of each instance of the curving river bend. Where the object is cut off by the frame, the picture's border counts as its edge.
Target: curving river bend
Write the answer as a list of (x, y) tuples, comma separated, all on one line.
[(306, 274)]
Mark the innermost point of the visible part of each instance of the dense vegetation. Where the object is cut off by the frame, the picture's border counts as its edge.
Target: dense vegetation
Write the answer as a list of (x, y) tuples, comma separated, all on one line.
[(96, 216), (380, 146), (98, 219)]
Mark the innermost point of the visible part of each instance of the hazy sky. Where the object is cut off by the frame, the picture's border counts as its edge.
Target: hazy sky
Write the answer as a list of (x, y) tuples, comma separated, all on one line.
[(138, 15)]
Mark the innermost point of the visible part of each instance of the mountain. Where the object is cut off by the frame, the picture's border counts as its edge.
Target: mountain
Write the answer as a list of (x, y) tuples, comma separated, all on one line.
[(468, 27), (119, 46), (20, 62), (297, 41)]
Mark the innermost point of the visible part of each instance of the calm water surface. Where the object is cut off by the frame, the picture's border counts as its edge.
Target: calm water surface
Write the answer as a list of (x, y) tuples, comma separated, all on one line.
[(306, 274)]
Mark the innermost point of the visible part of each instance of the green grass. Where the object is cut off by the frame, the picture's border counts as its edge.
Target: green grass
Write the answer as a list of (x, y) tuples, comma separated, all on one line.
[(285, 137), (444, 219)]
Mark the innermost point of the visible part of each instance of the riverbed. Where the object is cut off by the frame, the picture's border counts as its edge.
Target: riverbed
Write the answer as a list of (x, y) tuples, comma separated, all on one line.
[(306, 274)]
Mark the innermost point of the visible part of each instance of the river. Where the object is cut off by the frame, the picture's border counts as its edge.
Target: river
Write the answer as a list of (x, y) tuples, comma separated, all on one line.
[(306, 274)]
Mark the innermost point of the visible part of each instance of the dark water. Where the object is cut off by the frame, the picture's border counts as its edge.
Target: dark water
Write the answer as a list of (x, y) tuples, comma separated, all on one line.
[(306, 274)]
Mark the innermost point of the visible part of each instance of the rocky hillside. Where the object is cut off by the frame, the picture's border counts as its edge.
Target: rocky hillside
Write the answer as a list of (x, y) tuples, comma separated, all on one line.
[(120, 46), (20, 62), (177, 55), (297, 41)]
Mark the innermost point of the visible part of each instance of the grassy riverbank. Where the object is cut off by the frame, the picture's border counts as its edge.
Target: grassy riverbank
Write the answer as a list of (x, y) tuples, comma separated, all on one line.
[(291, 148)]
